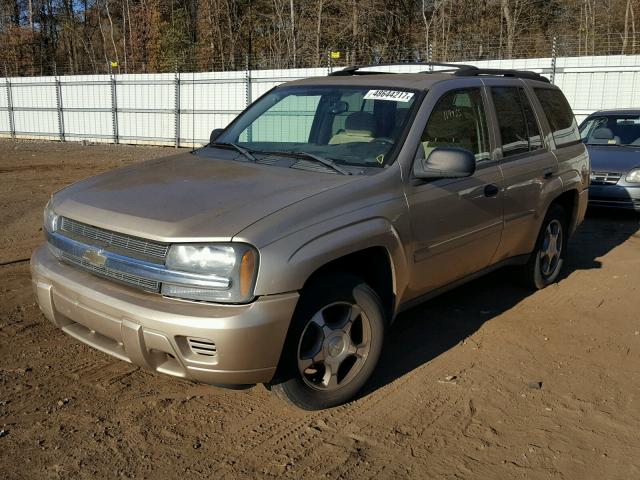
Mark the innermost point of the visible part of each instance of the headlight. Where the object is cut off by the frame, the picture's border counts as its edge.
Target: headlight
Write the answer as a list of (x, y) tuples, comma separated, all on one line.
[(633, 176), (50, 218), (233, 266)]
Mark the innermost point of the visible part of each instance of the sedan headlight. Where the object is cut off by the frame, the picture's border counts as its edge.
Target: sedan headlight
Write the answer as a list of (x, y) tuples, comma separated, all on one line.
[(633, 176), (229, 270), (50, 218)]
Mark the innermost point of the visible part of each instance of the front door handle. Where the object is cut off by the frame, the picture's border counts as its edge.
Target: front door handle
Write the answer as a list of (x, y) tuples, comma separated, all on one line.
[(548, 173), (491, 190)]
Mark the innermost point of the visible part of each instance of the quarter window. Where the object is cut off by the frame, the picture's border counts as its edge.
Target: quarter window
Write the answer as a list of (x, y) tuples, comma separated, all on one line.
[(458, 120), (561, 120), (518, 126)]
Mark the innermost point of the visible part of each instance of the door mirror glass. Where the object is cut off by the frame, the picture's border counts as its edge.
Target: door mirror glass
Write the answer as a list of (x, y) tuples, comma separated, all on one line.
[(215, 134), (444, 162)]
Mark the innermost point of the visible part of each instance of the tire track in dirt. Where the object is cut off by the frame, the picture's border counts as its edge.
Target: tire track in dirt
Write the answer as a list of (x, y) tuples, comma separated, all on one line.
[(308, 435)]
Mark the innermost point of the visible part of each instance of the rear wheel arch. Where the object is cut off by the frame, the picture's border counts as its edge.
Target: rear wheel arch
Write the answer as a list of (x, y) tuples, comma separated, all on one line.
[(568, 200)]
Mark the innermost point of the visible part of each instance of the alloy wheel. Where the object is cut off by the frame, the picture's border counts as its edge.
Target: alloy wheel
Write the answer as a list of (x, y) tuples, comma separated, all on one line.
[(551, 248), (334, 346)]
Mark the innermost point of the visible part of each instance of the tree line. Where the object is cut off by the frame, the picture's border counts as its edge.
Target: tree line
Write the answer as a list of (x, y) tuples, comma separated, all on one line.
[(94, 36)]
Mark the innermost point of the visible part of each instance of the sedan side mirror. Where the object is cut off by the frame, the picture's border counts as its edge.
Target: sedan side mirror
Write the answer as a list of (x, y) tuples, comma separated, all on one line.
[(215, 134), (449, 162)]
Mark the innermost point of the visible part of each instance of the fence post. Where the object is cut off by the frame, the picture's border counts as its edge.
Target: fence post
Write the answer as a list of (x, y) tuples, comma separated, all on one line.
[(553, 60), (247, 82), (430, 56), (114, 108), (329, 65), (12, 128), (247, 93), (177, 107), (59, 104)]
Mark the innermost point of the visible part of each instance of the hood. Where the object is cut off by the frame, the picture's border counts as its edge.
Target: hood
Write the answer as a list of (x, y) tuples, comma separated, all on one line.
[(188, 197), (613, 159)]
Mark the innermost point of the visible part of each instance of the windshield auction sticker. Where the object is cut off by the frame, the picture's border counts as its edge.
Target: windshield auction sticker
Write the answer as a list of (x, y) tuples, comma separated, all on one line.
[(391, 95)]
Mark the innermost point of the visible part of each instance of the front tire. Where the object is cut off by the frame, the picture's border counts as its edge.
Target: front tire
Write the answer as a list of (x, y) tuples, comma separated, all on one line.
[(333, 345), (547, 259)]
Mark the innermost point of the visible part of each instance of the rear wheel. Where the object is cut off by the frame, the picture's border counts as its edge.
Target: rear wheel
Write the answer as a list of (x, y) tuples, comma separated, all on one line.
[(546, 261), (333, 345)]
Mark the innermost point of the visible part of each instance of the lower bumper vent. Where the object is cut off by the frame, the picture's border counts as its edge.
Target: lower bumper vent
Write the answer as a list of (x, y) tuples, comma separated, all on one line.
[(202, 347)]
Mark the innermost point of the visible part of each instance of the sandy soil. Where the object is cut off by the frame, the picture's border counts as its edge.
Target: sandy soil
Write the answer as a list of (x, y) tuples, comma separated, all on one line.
[(487, 382)]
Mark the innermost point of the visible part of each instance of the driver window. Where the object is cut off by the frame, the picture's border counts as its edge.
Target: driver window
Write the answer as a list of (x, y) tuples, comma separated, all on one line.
[(458, 120)]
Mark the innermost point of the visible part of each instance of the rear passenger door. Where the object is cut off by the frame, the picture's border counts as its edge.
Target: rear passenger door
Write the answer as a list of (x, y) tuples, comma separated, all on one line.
[(527, 164), (455, 222)]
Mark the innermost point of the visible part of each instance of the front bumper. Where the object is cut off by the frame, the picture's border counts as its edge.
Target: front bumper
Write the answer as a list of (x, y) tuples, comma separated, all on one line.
[(615, 196), (242, 342)]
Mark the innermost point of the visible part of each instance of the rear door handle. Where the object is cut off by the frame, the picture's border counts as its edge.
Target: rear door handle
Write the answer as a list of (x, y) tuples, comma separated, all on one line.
[(491, 190)]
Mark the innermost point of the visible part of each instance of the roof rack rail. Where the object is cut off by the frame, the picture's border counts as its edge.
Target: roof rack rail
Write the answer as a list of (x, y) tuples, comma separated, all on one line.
[(503, 72), (357, 69)]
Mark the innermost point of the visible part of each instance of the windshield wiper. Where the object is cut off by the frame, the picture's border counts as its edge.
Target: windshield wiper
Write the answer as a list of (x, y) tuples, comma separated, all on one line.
[(240, 149), (324, 161)]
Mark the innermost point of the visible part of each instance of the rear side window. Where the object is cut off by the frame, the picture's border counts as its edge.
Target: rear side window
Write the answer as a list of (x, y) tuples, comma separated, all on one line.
[(560, 117), (518, 126)]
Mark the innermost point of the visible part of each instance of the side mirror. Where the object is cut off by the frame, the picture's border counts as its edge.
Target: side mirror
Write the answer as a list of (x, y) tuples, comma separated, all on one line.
[(449, 162), (215, 134)]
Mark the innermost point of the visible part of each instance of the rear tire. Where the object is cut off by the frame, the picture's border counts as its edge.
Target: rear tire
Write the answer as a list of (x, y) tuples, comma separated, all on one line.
[(547, 259), (333, 344)]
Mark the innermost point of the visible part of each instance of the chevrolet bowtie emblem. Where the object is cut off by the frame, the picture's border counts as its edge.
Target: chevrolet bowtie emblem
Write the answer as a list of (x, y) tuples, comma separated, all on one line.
[(95, 258)]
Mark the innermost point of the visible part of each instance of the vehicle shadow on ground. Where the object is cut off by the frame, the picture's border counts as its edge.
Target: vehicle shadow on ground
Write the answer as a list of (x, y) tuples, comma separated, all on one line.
[(428, 330)]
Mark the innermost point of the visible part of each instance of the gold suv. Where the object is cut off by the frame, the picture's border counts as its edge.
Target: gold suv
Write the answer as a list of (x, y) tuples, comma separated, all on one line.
[(281, 252)]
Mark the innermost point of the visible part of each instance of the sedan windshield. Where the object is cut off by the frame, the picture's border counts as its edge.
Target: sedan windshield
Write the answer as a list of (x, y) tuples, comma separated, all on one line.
[(611, 130), (357, 126)]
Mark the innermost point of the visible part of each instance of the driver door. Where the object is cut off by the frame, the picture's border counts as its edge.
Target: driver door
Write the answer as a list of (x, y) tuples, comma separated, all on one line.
[(456, 223)]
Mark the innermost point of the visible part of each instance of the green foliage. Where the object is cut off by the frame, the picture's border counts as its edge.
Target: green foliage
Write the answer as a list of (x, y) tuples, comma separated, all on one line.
[(175, 42)]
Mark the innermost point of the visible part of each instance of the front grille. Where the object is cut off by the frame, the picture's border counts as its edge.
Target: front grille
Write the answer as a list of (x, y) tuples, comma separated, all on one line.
[(118, 242), (605, 178), (202, 347), (110, 273)]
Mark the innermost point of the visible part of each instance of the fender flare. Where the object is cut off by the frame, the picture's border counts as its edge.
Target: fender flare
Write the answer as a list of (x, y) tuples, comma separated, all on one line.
[(319, 247)]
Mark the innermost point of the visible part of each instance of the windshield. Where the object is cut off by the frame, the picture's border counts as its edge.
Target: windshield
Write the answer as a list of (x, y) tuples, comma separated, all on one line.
[(346, 125), (611, 130)]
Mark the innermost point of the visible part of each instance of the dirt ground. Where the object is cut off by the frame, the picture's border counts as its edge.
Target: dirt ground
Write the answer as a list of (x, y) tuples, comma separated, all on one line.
[(486, 382)]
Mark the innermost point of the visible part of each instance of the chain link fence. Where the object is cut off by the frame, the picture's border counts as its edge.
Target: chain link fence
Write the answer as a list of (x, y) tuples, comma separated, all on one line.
[(181, 108), (451, 50)]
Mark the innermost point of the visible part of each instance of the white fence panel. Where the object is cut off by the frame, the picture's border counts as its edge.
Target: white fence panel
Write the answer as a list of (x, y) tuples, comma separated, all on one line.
[(87, 107), (35, 111), (182, 109), (3, 94), (146, 105), (4, 110), (264, 80), (209, 101)]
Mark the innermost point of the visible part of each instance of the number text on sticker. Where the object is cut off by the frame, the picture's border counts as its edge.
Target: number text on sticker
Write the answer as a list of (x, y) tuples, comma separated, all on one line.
[(391, 95)]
